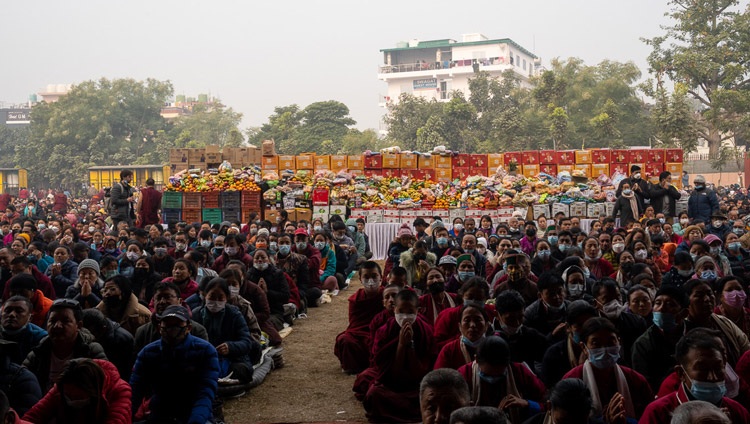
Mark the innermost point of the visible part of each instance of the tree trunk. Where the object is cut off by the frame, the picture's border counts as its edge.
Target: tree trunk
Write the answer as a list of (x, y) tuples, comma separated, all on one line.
[(714, 141)]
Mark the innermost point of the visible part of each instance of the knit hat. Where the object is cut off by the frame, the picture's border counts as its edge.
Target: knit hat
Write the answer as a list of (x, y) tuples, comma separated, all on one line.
[(692, 228), (89, 264), (465, 257), (482, 241), (447, 259), (263, 232), (437, 224), (699, 179), (702, 260), (25, 237), (404, 230)]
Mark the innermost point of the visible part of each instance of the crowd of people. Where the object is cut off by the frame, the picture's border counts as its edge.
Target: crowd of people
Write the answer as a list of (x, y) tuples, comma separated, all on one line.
[(110, 315), (641, 317)]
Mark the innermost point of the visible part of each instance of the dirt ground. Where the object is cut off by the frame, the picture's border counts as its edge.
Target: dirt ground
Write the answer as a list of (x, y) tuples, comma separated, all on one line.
[(311, 386)]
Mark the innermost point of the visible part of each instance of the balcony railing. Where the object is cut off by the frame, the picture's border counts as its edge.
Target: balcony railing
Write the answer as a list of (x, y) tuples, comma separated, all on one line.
[(446, 64)]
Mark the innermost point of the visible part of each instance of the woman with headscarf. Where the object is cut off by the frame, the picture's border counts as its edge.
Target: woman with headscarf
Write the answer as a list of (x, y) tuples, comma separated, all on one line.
[(273, 283), (436, 298), (121, 306), (465, 270), (628, 205)]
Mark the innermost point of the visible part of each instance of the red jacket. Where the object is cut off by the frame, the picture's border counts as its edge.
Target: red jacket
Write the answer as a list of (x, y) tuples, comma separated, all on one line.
[(116, 394), (43, 283), (660, 410)]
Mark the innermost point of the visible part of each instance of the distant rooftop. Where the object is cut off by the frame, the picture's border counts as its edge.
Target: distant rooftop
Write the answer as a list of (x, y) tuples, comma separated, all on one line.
[(468, 40)]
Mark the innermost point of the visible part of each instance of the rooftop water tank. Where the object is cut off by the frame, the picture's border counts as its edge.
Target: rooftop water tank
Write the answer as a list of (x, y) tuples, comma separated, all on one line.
[(413, 42), (402, 45), (32, 98)]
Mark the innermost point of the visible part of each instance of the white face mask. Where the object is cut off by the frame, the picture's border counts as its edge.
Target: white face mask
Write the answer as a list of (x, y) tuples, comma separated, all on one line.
[(458, 227), (370, 283), (180, 246), (401, 319), (215, 306), (132, 256), (618, 247), (612, 309), (234, 291), (260, 266), (206, 243)]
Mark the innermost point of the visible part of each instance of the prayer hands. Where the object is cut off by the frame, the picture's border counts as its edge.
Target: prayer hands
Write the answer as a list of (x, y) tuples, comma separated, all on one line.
[(511, 401), (406, 336), (614, 413)]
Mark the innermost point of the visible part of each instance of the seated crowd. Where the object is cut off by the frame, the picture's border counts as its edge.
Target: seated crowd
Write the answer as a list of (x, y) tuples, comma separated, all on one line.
[(543, 322)]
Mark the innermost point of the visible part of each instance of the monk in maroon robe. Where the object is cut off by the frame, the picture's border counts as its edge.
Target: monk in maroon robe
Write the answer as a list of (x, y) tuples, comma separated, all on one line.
[(353, 345), (403, 356), (459, 352), (475, 291), (437, 299)]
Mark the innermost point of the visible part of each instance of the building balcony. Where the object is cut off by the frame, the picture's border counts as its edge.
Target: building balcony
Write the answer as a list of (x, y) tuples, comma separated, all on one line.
[(446, 68)]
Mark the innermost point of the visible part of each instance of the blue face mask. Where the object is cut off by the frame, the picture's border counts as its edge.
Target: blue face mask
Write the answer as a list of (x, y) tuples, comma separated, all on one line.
[(708, 391), (442, 241), (469, 251), (491, 379), (552, 240), (627, 192), (665, 321), (469, 343), (708, 274), (465, 275), (563, 247), (576, 337), (604, 357), (544, 254), (284, 249), (734, 246)]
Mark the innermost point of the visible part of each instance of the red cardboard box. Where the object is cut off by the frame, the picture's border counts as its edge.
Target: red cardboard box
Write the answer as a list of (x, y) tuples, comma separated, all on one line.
[(374, 162), (674, 156), (369, 173), (494, 160), (391, 172), (566, 157), (653, 169), (425, 162), (548, 169), (601, 156), (408, 161), (620, 156), (443, 174), (657, 155), (639, 156), (547, 157), (510, 157), (475, 170), (428, 174), (391, 161), (531, 157), (462, 173), (479, 161), (461, 160), (622, 168), (320, 197), (583, 156), (445, 162)]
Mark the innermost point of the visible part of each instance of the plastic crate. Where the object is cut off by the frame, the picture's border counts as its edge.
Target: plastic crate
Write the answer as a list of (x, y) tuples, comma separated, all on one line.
[(211, 200), (191, 216), (230, 200), (212, 215), (192, 201), (250, 199), (171, 200), (231, 215), (171, 215)]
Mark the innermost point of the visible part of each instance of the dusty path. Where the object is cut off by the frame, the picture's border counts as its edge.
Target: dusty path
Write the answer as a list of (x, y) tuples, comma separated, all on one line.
[(310, 387)]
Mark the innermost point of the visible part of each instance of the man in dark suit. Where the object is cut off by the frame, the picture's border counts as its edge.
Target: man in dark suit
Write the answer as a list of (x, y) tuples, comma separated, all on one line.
[(664, 196)]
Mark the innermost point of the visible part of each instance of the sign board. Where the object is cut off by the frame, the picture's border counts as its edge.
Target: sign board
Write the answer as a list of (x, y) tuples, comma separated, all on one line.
[(425, 83), (18, 116)]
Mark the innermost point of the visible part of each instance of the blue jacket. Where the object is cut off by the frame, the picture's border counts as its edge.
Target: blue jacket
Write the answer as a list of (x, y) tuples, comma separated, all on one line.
[(186, 374), (231, 328), (701, 204), (26, 340)]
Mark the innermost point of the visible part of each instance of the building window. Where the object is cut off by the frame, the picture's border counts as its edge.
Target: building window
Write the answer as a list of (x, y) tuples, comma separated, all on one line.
[(524, 64), (518, 61)]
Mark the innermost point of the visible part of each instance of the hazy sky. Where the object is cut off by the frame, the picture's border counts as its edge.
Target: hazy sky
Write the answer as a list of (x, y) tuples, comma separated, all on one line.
[(256, 55)]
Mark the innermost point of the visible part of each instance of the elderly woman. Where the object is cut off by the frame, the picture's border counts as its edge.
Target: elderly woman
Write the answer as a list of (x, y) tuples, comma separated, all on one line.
[(692, 233), (273, 283), (87, 289), (121, 306)]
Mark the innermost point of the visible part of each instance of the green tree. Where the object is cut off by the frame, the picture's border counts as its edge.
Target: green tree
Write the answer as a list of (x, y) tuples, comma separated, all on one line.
[(559, 125), (11, 137), (707, 50), (104, 122), (672, 117), (321, 121), (356, 142), (407, 116), (210, 123), (282, 126)]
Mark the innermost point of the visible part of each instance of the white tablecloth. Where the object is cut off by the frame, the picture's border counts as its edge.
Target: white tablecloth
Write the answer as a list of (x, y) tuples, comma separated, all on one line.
[(381, 235)]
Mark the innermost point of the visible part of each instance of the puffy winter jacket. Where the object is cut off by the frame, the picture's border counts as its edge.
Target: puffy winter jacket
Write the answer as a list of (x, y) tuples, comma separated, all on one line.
[(26, 339), (701, 204), (115, 395), (38, 360), (19, 384)]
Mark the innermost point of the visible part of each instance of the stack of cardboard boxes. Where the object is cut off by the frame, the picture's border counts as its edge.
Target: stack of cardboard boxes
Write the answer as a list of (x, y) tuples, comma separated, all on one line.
[(212, 156)]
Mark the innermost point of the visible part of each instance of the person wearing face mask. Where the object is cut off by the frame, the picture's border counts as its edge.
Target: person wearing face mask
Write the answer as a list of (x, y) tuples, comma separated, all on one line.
[(638, 185), (473, 292), (705, 269), (465, 270), (88, 391), (121, 306), (441, 242), (615, 389), (680, 224), (272, 281), (436, 298), (227, 332), (564, 242), (702, 202), (568, 353), (576, 284), (528, 241), (473, 326), (469, 244), (233, 249), (681, 272), (516, 278), (402, 352), (629, 203), (458, 227), (716, 253), (163, 263), (719, 226), (733, 302), (354, 344), (295, 265), (144, 279), (526, 344), (608, 301), (547, 314), (664, 195), (737, 255), (701, 368), (494, 380)]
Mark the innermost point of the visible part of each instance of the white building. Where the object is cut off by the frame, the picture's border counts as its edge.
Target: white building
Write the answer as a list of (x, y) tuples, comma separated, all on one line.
[(433, 69)]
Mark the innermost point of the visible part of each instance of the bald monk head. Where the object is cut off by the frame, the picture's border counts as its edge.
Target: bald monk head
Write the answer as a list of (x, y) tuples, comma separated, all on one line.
[(441, 392)]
